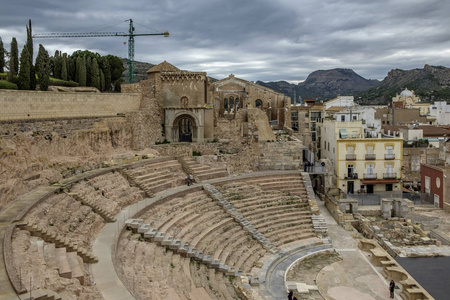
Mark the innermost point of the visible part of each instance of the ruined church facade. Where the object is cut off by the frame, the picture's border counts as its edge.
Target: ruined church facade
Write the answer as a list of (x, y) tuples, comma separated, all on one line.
[(187, 106), (232, 94)]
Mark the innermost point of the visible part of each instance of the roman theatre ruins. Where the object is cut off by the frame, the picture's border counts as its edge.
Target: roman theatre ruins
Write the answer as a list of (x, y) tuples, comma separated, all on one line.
[(94, 202)]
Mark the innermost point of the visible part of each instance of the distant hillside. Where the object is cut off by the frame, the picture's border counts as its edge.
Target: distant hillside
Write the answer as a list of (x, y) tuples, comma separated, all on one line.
[(140, 69), (324, 84), (432, 83)]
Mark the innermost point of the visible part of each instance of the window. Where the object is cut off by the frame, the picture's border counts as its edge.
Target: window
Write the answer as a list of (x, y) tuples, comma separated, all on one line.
[(343, 133), (427, 184), (343, 118), (436, 200), (184, 102), (225, 104), (258, 103), (355, 118), (389, 187)]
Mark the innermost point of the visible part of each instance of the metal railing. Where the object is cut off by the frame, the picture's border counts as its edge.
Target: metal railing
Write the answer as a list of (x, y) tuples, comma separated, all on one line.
[(370, 175), (371, 156), (350, 156), (389, 156), (389, 175), (352, 176)]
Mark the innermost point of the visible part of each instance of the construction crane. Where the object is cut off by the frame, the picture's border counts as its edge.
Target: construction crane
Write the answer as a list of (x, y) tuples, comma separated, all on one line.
[(130, 36)]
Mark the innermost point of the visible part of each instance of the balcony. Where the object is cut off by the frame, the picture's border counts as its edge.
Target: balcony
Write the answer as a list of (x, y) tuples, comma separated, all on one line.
[(389, 175), (371, 156), (370, 175), (350, 156), (389, 156), (352, 176)]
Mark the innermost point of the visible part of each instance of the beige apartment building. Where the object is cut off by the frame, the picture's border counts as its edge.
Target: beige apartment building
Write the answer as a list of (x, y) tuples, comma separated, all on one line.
[(363, 162)]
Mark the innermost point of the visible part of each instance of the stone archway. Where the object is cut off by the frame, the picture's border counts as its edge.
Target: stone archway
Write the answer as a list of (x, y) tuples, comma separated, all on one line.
[(184, 128)]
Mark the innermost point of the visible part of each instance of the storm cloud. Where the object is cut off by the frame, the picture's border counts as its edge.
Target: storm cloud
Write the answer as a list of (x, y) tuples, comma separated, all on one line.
[(255, 40)]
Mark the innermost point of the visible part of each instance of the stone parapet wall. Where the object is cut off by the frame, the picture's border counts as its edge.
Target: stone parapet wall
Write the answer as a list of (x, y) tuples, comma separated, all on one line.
[(25, 105), (281, 156)]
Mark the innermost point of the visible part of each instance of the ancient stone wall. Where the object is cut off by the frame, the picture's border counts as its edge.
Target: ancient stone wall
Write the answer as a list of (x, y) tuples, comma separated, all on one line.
[(23, 105), (280, 156), (259, 121), (36, 153)]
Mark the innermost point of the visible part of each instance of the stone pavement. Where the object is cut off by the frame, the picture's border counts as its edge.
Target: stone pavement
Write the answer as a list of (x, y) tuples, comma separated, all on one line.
[(354, 277)]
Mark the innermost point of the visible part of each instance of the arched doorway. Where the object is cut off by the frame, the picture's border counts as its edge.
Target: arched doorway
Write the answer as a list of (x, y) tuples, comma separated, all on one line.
[(185, 128)]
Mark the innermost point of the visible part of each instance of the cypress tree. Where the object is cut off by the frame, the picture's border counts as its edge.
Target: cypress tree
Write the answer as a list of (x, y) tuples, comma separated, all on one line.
[(95, 74), (107, 73), (64, 75), (57, 65), (43, 68), (88, 70), (102, 81), (2, 57), (13, 60), (24, 72), (82, 72), (71, 69), (30, 52)]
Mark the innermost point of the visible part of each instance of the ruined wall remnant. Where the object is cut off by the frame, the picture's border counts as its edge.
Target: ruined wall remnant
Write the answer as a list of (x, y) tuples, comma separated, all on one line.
[(24, 105)]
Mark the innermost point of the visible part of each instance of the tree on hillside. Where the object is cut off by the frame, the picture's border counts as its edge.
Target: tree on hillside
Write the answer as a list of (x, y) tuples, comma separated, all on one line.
[(43, 68), (23, 81), (71, 68), (2, 57), (107, 74), (95, 75), (117, 69), (57, 65), (102, 80), (13, 60), (81, 71), (64, 75), (29, 45), (88, 60)]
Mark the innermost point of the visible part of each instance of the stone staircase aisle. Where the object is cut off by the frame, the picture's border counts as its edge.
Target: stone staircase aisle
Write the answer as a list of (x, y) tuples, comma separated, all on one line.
[(57, 239), (95, 208)]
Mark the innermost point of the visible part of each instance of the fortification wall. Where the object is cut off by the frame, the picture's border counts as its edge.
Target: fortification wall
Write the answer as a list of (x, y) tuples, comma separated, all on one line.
[(24, 105)]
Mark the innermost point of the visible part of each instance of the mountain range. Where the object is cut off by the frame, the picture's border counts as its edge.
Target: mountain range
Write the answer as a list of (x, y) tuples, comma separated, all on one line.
[(431, 83)]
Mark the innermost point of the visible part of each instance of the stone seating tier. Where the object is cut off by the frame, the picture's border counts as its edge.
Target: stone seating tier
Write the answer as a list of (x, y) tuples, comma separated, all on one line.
[(258, 210), (58, 240), (39, 261), (150, 166)]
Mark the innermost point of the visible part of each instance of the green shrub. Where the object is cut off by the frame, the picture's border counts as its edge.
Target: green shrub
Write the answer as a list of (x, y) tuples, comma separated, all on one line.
[(195, 153), (59, 82), (5, 85)]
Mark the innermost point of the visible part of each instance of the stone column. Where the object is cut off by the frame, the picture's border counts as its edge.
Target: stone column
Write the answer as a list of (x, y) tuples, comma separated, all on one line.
[(386, 208)]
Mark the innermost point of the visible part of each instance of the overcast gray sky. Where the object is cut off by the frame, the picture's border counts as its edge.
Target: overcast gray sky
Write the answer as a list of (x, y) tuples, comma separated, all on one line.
[(266, 40)]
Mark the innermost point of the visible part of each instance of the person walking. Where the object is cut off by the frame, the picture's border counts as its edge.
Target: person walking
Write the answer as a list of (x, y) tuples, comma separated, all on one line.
[(392, 288), (189, 178), (290, 295)]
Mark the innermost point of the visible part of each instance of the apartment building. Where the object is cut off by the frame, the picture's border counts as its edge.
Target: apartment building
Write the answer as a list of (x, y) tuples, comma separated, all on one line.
[(363, 162)]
